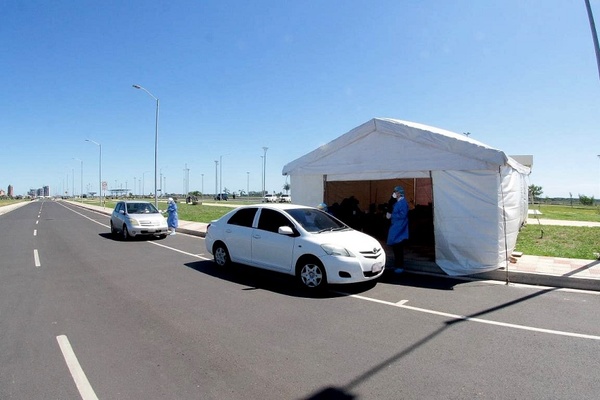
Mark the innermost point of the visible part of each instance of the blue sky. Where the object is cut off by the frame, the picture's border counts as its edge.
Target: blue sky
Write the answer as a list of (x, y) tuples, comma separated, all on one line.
[(236, 76)]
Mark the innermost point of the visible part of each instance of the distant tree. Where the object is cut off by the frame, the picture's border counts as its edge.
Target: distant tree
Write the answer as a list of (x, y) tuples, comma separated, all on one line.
[(586, 201), (286, 187), (535, 192)]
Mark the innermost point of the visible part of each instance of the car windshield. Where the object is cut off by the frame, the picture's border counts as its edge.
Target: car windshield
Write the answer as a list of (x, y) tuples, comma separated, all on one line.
[(313, 220), (141, 208)]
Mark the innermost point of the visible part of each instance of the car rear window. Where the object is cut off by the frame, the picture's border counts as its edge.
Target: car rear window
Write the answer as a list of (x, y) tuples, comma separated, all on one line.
[(243, 217), (271, 220)]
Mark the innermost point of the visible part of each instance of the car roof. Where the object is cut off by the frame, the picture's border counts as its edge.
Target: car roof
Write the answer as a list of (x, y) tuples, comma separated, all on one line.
[(135, 202), (277, 206)]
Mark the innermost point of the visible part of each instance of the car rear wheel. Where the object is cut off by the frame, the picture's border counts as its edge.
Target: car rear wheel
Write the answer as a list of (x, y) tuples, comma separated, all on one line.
[(125, 233), (221, 254), (311, 274)]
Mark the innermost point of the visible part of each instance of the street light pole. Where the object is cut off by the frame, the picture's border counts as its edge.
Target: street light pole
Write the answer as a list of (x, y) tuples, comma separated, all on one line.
[(155, 143), (99, 170), (265, 170), (216, 178), (81, 176)]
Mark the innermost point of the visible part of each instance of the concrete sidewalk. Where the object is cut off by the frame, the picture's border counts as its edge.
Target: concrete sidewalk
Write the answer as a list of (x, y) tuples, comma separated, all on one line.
[(532, 270)]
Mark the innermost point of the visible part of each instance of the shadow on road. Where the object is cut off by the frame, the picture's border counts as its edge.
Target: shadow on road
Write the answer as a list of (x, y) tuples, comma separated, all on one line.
[(256, 278)]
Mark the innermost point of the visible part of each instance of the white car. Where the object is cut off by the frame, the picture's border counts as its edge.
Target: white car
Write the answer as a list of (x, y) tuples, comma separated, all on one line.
[(297, 240), (285, 198), (137, 218), (270, 198)]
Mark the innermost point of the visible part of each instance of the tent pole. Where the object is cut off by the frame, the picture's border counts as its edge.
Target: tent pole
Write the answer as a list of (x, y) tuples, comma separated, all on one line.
[(506, 257)]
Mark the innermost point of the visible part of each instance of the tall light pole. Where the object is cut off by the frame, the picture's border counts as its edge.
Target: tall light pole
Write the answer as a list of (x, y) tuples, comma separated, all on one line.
[(248, 183), (99, 170), (202, 185), (155, 143), (221, 173), (81, 176), (265, 170), (216, 178), (599, 180)]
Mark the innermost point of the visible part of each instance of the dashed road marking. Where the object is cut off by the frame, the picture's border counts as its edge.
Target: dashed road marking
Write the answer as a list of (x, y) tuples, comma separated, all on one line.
[(36, 258), (81, 381)]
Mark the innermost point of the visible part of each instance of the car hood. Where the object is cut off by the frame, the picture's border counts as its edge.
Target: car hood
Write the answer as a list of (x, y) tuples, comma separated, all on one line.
[(349, 238)]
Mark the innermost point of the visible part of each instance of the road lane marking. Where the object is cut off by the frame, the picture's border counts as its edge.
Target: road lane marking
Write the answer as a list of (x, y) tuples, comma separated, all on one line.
[(35, 232), (402, 302), (457, 318), (181, 251), (37, 222), (83, 385), (36, 258)]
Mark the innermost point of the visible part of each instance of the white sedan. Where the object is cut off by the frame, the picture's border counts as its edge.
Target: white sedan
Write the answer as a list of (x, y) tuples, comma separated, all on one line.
[(302, 241)]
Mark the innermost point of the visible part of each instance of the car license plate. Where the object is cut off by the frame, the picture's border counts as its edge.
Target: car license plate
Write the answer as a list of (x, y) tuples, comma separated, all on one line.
[(377, 267)]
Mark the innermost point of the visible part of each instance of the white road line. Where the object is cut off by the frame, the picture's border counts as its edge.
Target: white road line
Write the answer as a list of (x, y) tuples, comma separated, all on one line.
[(479, 320), (181, 251), (83, 385), (37, 222), (36, 258), (35, 232), (402, 302)]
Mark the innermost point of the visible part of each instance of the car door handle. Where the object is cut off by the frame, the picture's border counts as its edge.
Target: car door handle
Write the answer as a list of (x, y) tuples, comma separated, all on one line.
[(256, 236)]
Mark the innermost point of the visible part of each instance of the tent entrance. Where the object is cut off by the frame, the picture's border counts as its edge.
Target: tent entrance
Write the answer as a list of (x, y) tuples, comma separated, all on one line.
[(363, 205)]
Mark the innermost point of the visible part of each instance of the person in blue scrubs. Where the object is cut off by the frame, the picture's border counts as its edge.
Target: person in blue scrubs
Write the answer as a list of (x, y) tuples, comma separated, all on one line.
[(398, 232), (173, 218)]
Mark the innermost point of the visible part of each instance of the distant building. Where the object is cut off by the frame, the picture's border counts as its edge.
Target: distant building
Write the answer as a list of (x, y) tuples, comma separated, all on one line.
[(2, 193), (11, 191)]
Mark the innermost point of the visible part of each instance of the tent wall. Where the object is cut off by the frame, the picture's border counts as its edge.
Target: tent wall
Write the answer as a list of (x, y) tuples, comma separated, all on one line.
[(466, 221), (307, 189)]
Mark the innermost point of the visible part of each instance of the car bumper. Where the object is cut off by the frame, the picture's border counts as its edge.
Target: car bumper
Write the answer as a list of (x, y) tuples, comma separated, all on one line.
[(146, 231), (353, 269)]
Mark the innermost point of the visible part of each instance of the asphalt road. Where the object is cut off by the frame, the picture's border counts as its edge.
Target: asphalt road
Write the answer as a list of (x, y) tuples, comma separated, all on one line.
[(85, 316)]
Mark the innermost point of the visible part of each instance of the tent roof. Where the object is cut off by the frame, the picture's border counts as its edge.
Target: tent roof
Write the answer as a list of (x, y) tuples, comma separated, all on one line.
[(381, 147)]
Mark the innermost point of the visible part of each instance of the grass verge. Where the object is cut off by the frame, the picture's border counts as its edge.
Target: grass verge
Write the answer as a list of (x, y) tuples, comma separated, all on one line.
[(559, 241)]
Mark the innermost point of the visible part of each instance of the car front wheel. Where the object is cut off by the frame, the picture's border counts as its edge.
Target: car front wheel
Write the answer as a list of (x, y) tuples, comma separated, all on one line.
[(125, 233), (311, 274), (221, 254)]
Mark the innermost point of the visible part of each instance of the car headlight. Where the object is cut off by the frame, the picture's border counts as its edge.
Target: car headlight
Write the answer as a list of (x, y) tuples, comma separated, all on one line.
[(134, 222), (335, 250)]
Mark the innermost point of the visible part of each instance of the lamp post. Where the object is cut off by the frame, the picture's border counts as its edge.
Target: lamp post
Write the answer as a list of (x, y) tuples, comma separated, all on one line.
[(216, 178), (202, 185), (248, 183), (155, 143), (599, 180), (81, 176), (265, 170), (99, 170)]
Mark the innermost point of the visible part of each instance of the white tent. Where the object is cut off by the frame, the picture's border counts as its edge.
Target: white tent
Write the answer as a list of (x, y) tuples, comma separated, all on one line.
[(478, 193)]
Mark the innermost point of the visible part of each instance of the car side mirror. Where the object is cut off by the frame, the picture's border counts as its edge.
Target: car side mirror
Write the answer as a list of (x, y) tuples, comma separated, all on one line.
[(121, 212), (285, 230)]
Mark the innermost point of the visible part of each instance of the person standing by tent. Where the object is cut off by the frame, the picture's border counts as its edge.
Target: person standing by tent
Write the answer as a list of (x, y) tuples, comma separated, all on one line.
[(173, 218), (398, 232)]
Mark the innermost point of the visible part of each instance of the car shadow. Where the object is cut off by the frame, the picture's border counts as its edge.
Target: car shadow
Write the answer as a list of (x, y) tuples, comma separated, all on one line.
[(260, 279), (116, 238)]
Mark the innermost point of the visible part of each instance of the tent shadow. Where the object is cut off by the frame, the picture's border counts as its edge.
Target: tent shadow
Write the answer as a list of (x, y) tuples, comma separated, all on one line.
[(417, 280), (259, 279)]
